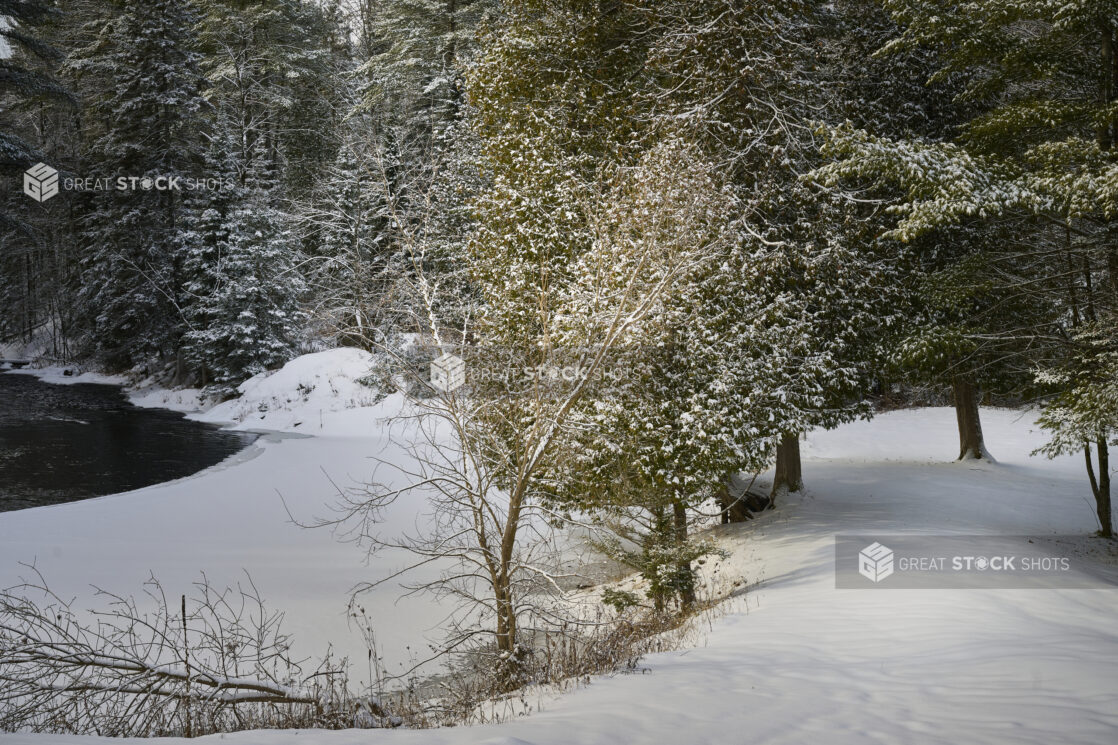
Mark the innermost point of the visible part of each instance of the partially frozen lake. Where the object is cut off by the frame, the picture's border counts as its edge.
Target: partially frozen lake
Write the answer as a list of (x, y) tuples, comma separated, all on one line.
[(63, 443)]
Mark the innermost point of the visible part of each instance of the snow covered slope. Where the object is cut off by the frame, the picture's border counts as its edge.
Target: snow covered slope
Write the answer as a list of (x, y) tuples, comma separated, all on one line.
[(316, 393), (797, 662)]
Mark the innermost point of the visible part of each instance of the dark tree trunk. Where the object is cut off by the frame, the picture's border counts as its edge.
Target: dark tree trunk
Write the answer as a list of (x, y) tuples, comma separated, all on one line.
[(1108, 93), (1102, 498), (966, 412), (687, 581), (1100, 486), (788, 476)]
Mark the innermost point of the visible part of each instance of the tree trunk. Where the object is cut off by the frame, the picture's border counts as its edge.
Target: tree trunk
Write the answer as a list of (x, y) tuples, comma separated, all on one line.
[(508, 663), (1100, 486), (1108, 93), (1102, 498), (687, 580), (788, 476), (505, 605), (966, 412)]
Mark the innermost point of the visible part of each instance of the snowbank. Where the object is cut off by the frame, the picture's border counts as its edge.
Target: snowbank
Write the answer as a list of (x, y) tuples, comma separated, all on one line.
[(316, 394), (185, 400)]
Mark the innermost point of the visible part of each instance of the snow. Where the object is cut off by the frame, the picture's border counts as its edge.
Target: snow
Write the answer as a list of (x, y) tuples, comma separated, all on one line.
[(316, 393), (233, 518), (790, 660), (145, 393), (66, 375), (313, 394)]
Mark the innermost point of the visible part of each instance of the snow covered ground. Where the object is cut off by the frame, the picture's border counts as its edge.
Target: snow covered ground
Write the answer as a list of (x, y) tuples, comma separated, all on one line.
[(793, 660), (234, 518)]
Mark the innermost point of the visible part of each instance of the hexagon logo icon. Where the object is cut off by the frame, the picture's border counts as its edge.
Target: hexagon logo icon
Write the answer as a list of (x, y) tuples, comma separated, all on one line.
[(40, 182), (448, 372), (875, 562)]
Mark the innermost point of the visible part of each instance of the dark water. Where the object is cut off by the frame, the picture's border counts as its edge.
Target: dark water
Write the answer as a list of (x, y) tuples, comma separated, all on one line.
[(62, 443)]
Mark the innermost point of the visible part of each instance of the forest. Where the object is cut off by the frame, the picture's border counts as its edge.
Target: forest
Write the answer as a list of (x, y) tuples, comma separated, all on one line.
[(737, 222)]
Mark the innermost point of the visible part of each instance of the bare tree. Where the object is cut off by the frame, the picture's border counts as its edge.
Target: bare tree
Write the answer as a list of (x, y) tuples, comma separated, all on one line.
[(218, 661), (488, 456)]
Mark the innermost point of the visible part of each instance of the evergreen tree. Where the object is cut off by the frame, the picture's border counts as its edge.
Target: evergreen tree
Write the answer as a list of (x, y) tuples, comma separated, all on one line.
[(147, 125), (947, 306), (1031, 169), (245, 284), (22, 77), (537, 160), (357, 265), (275, 68), (796, 309), (765, 338), (415, 53), (409, 110), (35, 108), (204, 242)]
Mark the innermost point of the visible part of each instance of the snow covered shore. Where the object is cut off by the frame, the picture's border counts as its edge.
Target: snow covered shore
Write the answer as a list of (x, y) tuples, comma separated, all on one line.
[(797, 661), (234, 518), (312, 393)]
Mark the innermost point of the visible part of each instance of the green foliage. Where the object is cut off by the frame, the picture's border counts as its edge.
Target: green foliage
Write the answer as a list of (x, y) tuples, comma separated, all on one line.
[(417, 50), (1085, 409), (943, 184), (668, 567), (244, 287), (1029, 181), (934, 350), (620, 600)]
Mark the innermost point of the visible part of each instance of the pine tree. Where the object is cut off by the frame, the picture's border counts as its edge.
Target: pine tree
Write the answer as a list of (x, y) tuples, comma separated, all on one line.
[(415, 54), (244, 312), (668, 423), (947, 306), (357, 264), (766, 337), (204, 243), (148, 125), (409, 114), (799, 308), (532, 226), (34, 108), (1031, 170), (276, 70), (22, 77)]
